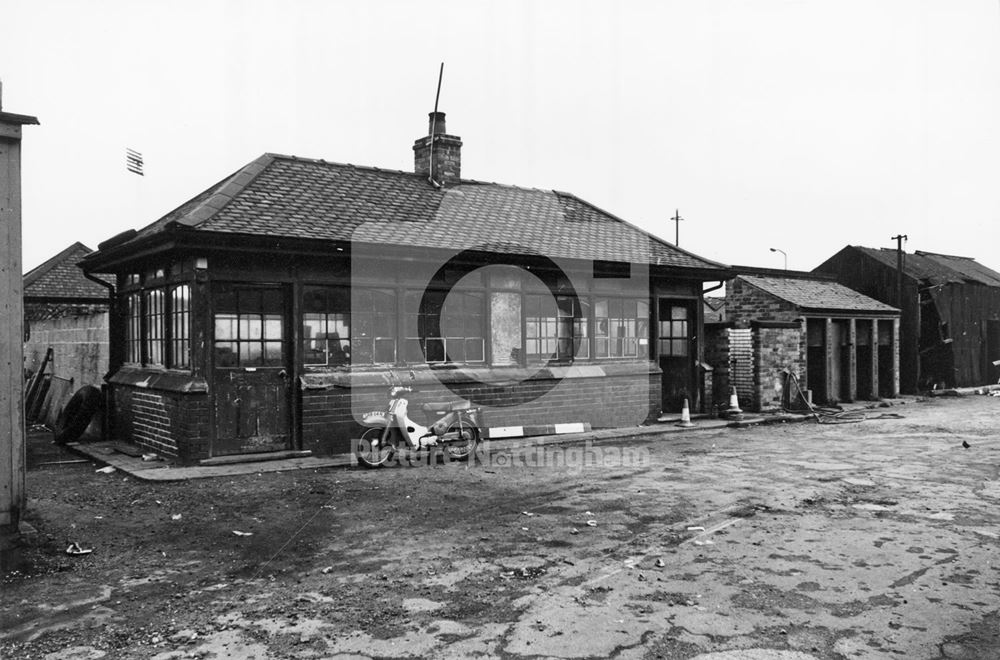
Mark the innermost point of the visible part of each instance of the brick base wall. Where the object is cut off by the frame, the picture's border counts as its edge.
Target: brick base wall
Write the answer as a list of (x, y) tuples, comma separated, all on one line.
[(608, 401), (172, 424)]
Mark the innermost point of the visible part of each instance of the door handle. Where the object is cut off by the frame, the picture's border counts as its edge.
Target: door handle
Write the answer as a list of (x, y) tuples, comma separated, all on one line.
[(283, 373)]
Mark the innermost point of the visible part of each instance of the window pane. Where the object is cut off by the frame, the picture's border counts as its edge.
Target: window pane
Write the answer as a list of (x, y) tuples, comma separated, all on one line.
[(273, 327), (679, 347), (361, 350), (225, 326), (455, 349), (225, 354), (385, 350), (678, 313), (273, 353), (434, 350), (251, 353), (412, 351), (475, 350)]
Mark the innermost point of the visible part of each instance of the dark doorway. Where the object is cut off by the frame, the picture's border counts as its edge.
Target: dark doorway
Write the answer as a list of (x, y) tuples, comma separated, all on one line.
[(863, 346), (885, 352), (251, 369), (816, 358), (676, 351), (992, 366)]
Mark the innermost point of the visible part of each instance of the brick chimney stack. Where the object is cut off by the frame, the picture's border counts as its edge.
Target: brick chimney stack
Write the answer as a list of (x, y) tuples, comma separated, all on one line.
[(438, 155)]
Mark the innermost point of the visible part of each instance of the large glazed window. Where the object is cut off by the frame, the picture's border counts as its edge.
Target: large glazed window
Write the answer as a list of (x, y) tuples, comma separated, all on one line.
[(179, 327), (133, 329), (555, 328), (450, 328), (249, 328), (373, 326), (674, 329), (326, 326), (621, 327)]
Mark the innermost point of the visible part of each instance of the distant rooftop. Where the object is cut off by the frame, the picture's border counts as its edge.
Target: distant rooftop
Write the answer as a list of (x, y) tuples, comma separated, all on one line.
[(817, 294)]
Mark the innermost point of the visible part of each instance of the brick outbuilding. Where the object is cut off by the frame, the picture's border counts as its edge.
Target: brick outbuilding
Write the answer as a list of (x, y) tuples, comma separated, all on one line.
[(839, 344)]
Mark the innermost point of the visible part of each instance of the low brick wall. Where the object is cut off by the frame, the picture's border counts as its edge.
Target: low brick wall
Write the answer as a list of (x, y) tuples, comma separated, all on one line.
[(606, 397), (173, 424)]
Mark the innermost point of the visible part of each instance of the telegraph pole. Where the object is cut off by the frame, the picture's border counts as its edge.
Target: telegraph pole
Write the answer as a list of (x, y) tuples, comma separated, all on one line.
[(900, 256), (677, 227)]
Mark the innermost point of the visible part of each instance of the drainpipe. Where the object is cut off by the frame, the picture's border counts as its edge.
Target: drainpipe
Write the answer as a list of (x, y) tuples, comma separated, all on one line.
[(112, 315)]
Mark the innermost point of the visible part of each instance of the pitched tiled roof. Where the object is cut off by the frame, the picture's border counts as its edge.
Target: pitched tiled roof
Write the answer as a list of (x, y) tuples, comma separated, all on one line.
[(283, 196), (936, 268), (60, 277), (817, 294)]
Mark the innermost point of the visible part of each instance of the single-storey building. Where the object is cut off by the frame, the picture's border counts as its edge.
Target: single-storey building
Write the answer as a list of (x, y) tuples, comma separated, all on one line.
[(68, 313), (270, 311), (950, 327), (839, 344)]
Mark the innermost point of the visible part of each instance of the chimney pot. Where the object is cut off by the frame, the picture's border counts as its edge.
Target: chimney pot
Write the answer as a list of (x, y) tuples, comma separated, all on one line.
[(435, 123)]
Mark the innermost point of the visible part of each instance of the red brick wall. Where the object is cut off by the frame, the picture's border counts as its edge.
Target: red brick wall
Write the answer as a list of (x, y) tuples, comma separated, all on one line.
[(171, 424), (775, 349), (608, 401), (746, 303)]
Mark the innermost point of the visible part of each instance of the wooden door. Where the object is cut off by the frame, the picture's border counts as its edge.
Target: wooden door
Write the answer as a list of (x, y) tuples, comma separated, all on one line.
[(251, 381), (676, 352)]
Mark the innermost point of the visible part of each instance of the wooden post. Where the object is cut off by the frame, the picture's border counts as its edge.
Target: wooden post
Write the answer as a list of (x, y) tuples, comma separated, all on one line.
[(852, 350), (12, 437)]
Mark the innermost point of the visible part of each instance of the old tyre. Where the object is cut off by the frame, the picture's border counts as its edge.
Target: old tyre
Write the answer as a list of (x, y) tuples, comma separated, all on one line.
[(371, 451), (461, 441), (78, 413)]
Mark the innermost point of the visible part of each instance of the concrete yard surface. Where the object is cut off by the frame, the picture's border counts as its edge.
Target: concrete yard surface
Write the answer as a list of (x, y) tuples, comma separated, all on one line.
[(869, 539)]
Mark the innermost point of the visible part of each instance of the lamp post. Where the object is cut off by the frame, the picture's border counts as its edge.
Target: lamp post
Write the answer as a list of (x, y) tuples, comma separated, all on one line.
[(782, 254)]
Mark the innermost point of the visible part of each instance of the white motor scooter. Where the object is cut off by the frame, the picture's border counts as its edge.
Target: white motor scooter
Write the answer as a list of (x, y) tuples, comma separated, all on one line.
[(453, 426)]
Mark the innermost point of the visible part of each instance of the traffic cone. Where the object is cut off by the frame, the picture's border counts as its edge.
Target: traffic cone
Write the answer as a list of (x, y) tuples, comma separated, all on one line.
[(685, 416), (734, 404)]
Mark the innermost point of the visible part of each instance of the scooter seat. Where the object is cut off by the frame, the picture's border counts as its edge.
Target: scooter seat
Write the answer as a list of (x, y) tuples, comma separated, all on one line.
[(446, 406)]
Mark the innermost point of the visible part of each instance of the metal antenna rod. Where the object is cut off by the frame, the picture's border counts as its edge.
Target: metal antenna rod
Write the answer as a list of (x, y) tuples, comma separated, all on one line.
[(677, 227), (430, 157)]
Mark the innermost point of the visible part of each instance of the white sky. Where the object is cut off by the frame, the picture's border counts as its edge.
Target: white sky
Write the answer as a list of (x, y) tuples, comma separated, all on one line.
[(804, 125)]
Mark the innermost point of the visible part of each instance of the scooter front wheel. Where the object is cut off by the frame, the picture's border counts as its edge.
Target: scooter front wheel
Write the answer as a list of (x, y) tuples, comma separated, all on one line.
[(372, 451)]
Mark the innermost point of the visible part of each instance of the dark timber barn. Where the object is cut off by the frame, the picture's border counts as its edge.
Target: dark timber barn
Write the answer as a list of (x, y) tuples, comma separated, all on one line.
[(950, 329)]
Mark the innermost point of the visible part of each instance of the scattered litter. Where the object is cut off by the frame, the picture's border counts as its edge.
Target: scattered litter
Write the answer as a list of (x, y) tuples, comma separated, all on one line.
[(660, 563), (239, 533), (176, 516), (328, 506), (965, 444), (574, 531), (327, 570), (591, 523), (527, 513), (696, 529), (75, 549), (151, 457), (704, 542), (642, 578), (157, 501), (569, 561), (587, 513), (994, 393), (524, 529), (98, 517), (107, 469)]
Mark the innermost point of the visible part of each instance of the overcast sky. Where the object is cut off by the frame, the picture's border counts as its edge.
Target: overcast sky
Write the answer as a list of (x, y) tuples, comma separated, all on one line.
[(804, 125)]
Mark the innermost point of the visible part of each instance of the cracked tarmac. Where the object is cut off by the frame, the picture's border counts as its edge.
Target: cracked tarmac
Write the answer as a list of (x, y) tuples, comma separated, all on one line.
[(794, 542)]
